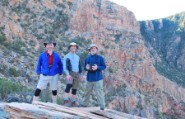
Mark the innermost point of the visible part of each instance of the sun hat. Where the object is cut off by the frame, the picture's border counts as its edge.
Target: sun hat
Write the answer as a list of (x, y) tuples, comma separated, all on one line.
[(50, 42), (73, 44)]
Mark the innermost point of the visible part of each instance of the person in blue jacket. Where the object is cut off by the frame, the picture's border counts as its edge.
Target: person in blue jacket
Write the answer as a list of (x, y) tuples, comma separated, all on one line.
[(49, 67), (94, 64)]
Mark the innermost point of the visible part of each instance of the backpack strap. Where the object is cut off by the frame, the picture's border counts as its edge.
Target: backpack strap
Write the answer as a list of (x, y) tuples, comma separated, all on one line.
[(97, 57)]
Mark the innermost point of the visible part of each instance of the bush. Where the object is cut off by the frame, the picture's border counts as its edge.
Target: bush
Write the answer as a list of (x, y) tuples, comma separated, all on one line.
[(46, 95), (32, 43), (82, 58), (2, 38), (8, 87), (13, 72), (117, 37), (171, 73), (3, 69), (5, 2), (81, 41), (59, 101), (16, 46), (69, 3), (110, 70), (102, 52)]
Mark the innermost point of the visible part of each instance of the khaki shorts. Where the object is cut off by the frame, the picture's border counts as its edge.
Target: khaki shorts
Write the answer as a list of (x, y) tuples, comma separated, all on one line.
[(44, 80), (74, 81)]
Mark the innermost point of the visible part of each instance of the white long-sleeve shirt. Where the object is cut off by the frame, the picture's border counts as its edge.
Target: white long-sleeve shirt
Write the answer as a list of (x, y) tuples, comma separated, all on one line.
[(74, 59)]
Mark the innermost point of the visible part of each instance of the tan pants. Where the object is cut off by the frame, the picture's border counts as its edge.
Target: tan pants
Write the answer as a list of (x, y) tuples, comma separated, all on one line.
[(74, 81), (97, 86)]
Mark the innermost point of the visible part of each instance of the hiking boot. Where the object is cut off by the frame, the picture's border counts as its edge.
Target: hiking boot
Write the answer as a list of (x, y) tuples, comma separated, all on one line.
[(102, 108), (74, 104), (67, 103), (82, 105)]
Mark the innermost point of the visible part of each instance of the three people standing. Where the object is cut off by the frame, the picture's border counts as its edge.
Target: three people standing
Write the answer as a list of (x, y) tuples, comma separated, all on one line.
[(50, 66)]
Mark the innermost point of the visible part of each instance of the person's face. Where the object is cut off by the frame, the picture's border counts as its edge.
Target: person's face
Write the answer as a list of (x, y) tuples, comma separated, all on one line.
[(50, 47), (94, 50), (73, 48)]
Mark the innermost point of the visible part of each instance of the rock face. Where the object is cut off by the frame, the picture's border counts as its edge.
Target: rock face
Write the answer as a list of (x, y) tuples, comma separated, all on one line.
[(54, 111), (132, 83), (164, 38), (105, 18), (130, 64)]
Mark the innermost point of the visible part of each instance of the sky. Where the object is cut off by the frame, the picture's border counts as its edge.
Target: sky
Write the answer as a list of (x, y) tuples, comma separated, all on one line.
[(153, 9)]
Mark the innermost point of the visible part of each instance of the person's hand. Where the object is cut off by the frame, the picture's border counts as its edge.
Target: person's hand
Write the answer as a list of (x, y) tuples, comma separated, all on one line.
[(82, 78), (95, 67), (68, 77), (87, 66)]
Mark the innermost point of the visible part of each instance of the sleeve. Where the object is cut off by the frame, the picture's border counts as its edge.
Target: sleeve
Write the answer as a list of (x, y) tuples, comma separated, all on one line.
[(80, 67), (65, 67), (102, 65), (39, 64), (60, 65)]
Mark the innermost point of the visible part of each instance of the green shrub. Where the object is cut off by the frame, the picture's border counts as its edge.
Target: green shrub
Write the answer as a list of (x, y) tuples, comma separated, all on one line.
[(16, 46), (82, 58), (60, 5), (3, 69), (32, 43), (102, 52), (39, 36), (2, 38), (5, 2), (13, 72), (110, 70), (59, 101), (139, 106), (8, 87), (117, 37), (171, 73), (69, 3), (45, 95), (81, 41)]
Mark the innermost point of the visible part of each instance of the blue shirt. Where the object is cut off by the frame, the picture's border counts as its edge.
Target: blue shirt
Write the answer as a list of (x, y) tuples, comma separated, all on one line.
[(75, 63), (43, 65), (100, 62)]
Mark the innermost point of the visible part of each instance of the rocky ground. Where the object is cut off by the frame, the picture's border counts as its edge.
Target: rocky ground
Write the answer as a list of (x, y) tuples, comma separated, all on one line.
[(53, 111)]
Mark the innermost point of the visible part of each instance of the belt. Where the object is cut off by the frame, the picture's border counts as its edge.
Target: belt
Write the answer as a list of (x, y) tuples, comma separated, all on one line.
[(45, 74)]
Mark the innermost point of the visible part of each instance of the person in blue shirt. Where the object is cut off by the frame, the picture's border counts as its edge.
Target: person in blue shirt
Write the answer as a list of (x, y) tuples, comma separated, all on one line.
[(49, 67), (94, 65), (73, 70)]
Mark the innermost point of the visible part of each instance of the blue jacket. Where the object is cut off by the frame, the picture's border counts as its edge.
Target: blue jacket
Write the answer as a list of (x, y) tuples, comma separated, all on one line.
[(43, 66), (99, 61)]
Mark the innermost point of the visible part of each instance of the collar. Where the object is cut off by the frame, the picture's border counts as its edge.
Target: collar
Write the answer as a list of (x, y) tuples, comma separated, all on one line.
[(72, 53), (94, 54), (48, 53)]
